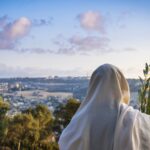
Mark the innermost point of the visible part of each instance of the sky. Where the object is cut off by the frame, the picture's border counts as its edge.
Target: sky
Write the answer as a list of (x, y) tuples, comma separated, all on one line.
[(41, 38)]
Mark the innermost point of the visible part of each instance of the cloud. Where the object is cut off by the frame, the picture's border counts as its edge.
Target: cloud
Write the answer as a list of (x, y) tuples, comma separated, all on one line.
[(18, 28), (12, 31), (129, 49), (92, 21), (78, 45), (9, 71), (92, 45), (89, 43), (42, 22), (34, 50), (3, 21), (134, 72), (82, 45)]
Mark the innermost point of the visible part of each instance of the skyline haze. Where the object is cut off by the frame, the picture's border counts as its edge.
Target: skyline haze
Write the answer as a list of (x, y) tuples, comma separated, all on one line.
[(72, 38)]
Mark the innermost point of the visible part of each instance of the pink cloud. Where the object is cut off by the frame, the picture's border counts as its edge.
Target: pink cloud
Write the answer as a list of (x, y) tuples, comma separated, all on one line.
[(12, 31), (19, 28), (83, 45), (89, 43), (92, 21)]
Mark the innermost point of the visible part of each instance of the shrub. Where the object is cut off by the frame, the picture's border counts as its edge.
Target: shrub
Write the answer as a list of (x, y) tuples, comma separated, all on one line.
[(144, 92)]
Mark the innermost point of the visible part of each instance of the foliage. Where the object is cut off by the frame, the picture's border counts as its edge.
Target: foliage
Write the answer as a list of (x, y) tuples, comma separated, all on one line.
[(63, 115), (30, 130), (35, 128), (23, 131), (4, 107), (144, 92)]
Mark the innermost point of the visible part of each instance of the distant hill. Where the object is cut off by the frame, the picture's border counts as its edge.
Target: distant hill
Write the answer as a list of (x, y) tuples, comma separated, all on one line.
[(76, 85)]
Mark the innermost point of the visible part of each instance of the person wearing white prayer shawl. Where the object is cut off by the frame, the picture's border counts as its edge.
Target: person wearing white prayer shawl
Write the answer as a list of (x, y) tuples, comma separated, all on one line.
[(104, 120)]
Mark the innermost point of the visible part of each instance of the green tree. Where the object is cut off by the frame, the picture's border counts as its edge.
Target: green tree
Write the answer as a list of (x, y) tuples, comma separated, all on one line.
[(23, 131), (47, 139), (4, 107), (144, 92), (42, 114), (32, 130), (63, 115)]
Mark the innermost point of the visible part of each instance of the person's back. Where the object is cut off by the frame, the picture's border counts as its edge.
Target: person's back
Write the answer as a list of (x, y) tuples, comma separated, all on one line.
[(104, 121)]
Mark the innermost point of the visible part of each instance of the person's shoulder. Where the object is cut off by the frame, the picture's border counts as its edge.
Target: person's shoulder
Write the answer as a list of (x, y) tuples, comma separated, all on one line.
[(128, 111), (143, 117), (127, 108)]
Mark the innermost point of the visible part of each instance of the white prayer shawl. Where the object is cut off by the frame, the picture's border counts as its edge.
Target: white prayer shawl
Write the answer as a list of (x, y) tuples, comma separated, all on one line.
[(103, 120)]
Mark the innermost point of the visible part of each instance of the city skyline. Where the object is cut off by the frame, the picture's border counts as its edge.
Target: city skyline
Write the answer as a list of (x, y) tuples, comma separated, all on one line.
[(72, 38)]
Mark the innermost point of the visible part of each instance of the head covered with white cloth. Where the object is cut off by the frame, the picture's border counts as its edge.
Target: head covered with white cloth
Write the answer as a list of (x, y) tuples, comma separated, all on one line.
[(102, 121)]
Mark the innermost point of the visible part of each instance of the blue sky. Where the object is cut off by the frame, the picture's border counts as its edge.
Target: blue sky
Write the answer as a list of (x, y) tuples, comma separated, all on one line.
[(73, 37)]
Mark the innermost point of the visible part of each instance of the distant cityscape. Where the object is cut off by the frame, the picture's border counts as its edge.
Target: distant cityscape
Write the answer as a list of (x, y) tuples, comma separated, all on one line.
[(24, 93)]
